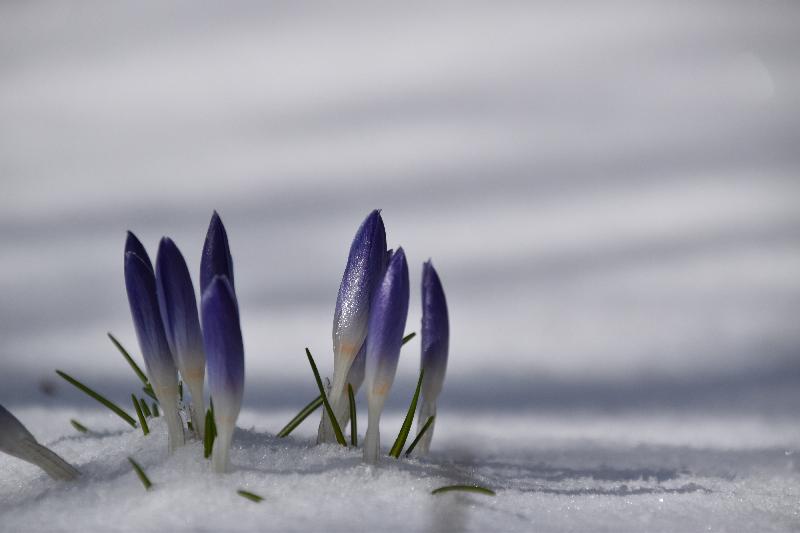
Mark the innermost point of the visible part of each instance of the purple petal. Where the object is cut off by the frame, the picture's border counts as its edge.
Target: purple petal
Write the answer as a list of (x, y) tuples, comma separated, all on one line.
[(135, 246), (365, 265), (141, 286), (216, 259), (223, 341), (435, 331), (387, 322), (178, 307)]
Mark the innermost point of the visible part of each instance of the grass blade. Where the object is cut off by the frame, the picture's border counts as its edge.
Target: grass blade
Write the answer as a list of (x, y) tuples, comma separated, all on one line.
[(156, 414), (421, 433), (128, 358), (397, 448), (464, 488), (140, 414), (210, 434), (145, 408), (108, 403), (304, 413), (335, 423), (180, 391), (249, 495), (148, 389), (77, 425), (353, 426), (140, 472), (409, 337)]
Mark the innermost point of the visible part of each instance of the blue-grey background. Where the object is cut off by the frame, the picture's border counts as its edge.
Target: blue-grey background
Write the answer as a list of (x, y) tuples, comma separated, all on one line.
[(608, 190)]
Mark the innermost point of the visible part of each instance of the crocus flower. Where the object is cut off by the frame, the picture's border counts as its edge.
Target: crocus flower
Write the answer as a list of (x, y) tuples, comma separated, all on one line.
[(435, 342), (365, 265), (140, 283), (178, 308), (387, 322), (16, 440), (225, 354), (216, 259)]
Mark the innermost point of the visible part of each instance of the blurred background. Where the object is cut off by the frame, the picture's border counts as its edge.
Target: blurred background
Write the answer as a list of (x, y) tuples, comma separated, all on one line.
[(609, 190)]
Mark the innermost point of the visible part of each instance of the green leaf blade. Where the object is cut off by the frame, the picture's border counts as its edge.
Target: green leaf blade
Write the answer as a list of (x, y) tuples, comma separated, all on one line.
[(78, 426), (140, 415), (477, 489), (106, 402), (400, 442), (335, 423), (129, 359), (353, 426), (250, 496), (420, 434), (304, 413), (140, 474)]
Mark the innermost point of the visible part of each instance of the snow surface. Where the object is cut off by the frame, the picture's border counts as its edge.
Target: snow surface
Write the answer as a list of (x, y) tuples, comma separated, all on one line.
[(552, 472)]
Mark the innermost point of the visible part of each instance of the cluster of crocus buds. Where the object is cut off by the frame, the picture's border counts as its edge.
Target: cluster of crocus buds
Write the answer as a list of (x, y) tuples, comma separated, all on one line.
[(164, 310), (368, 327)]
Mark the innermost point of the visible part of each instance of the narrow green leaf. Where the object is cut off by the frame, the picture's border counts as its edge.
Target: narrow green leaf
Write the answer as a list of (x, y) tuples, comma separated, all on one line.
[(128, 358), (420, 434), (465, 488), (148, 389), (397, 448), (249, 495), (210, 434), (140, 472), (180, 390), (145, 408), (312, 406), (77, 425), (156, 414), (335, 423), (353, 426), (409, 337), (108, 403), (140, 414)]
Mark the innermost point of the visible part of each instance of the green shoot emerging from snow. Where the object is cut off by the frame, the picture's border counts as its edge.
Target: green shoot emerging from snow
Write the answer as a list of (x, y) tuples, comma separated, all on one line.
[(129, 359), (302, 415), (336, 429), (108, 403), (464, 488), (77, 425), (353, 427), (406, 427), (421, 433), (210, 434), (140, 473), (249, 495), (314, 404), (140, 414)]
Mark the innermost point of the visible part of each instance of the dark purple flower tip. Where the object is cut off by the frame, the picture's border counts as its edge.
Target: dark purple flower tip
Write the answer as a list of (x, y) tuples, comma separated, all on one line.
[(141, 287), (216, 259), (435, 330), (135, 246), (387, 322), (365, 265), (178, 304), (223, 340)]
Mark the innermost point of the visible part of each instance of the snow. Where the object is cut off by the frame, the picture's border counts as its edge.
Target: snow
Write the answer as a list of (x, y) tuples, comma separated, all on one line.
[(609, 192), (565, 471)]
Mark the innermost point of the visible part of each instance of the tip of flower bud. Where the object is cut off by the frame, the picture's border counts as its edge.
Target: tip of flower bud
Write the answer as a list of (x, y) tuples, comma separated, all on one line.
[(134, 245)]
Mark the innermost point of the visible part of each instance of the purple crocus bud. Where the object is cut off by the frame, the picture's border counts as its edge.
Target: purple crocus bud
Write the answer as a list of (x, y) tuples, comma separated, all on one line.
[(135, 246), (435, 333), (216, 259), (225, 354), (178, 306), (16, 440), (365, 265), (387, 322), (140, 283)]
